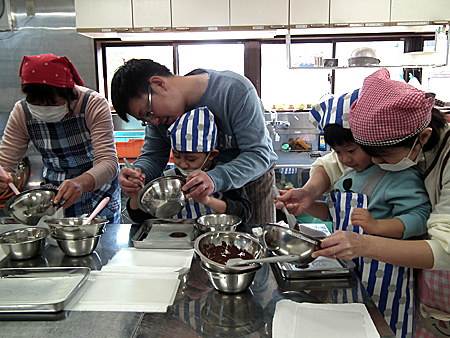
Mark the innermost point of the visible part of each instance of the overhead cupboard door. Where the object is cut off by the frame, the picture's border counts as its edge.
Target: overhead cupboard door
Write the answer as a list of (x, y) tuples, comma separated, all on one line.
[(212, 14), (259, 14), (420, 11), (151, 15), (307, 13), (359, 12), (103, 15)]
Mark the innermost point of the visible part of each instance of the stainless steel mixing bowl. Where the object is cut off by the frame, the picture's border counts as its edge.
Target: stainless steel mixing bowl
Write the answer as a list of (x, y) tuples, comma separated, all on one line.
[(363, 57), (284, 241), (231, 282), (73, 227), (23, 243), (217, 222), (163, 197), (29, 206), (77, 247), (241, 240)]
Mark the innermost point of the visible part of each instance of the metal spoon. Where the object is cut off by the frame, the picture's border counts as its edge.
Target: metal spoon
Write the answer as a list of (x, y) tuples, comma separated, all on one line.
[(292, 221), (274, 259), (128, 165)]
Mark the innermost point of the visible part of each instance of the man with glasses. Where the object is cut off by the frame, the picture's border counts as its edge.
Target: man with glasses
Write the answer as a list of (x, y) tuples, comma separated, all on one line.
[(149, 92)]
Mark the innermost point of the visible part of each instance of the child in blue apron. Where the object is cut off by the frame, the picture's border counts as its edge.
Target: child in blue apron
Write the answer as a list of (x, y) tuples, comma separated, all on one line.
[(370, 200), (193, 138)]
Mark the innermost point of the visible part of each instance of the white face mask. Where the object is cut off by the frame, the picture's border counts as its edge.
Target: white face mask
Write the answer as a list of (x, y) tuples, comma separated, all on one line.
[(48, 113), (404, 163), (185, 173)]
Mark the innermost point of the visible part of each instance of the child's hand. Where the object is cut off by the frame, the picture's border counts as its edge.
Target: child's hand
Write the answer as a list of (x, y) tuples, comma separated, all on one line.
[(201, 199), (362, 217)]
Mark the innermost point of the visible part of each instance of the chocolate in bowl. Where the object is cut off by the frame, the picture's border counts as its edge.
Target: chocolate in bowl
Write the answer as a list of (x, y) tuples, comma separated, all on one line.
[(219, 241), (222, 253)]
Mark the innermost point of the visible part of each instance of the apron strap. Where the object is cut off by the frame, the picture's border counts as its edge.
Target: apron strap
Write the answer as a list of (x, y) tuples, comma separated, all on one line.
[(85, 101), (26, 110), (372, 182)]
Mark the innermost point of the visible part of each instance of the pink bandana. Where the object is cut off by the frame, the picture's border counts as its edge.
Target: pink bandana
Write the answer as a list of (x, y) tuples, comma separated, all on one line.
[(388, 111), (49, 69)]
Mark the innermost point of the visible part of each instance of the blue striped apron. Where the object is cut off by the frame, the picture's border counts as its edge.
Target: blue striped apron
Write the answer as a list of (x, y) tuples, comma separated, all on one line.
[(67, 152), (389, 286)]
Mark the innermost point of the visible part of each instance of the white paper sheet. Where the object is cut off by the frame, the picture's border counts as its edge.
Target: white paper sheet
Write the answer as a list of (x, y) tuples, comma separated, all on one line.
[(111, 291), (150, 260), (309, 320)]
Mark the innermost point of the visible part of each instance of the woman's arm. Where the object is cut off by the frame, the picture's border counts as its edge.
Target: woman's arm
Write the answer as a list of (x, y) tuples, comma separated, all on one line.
[(348, 245)]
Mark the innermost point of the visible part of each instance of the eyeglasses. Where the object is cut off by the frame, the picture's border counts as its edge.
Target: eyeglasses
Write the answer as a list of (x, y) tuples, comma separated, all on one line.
[(148, 115)]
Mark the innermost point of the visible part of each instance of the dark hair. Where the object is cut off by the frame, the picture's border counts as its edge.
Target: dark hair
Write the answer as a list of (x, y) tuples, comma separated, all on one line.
[(42, 94), (437, 125), (336, 135), (131, 80)]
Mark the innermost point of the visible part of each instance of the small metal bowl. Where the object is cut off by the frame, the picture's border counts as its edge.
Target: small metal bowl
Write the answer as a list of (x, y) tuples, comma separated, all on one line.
[(284, 241), (23, 243), (163, 197), (241, 240), (217, 222), (77, 247), (231, 282), (29, 206), (73, 227)]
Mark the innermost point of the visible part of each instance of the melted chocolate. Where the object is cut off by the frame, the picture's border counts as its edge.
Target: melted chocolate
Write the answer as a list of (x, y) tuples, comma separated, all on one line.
[(222, 253), (178, 234)]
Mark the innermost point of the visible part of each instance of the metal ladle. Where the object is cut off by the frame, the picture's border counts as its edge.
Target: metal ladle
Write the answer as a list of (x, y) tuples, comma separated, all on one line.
[(274, 259)]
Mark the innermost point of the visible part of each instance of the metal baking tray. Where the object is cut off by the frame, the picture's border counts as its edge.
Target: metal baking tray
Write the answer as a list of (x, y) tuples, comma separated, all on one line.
[(293, 285), (156, 234), (39, 289), (321, 267)]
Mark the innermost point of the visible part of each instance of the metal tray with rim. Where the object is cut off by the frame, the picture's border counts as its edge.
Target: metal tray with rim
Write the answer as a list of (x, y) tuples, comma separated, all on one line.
[(39, 290), (321, 267), (144, 239)]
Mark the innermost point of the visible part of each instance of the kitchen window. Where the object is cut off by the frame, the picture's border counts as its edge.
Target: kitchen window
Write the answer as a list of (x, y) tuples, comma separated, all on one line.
[(264, 62), (284, 88)]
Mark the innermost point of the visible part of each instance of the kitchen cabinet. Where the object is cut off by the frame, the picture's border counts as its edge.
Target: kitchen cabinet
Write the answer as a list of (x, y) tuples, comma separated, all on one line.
[(197, 14), (359, 12), (103, 15), (258, 14), (306, 13), (151, 15), (419, 11)]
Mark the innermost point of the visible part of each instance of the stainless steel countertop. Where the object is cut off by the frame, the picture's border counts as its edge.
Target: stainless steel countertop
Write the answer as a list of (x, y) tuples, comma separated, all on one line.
[(198, 310)]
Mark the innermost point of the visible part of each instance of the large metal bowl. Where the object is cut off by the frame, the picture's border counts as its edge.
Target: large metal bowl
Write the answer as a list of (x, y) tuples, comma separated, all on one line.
[(284, 241), (217, 222), (77, 247), (163, 197), (29, 206), (231, 282), (73, 227), (23, 243), (241, 240)]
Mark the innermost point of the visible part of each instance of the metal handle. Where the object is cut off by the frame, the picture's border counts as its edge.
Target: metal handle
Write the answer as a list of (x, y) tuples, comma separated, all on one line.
[(274, 259)]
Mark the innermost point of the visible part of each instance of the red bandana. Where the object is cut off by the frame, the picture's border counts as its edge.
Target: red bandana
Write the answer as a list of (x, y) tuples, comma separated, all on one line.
[(49, 69), (388, 111)]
